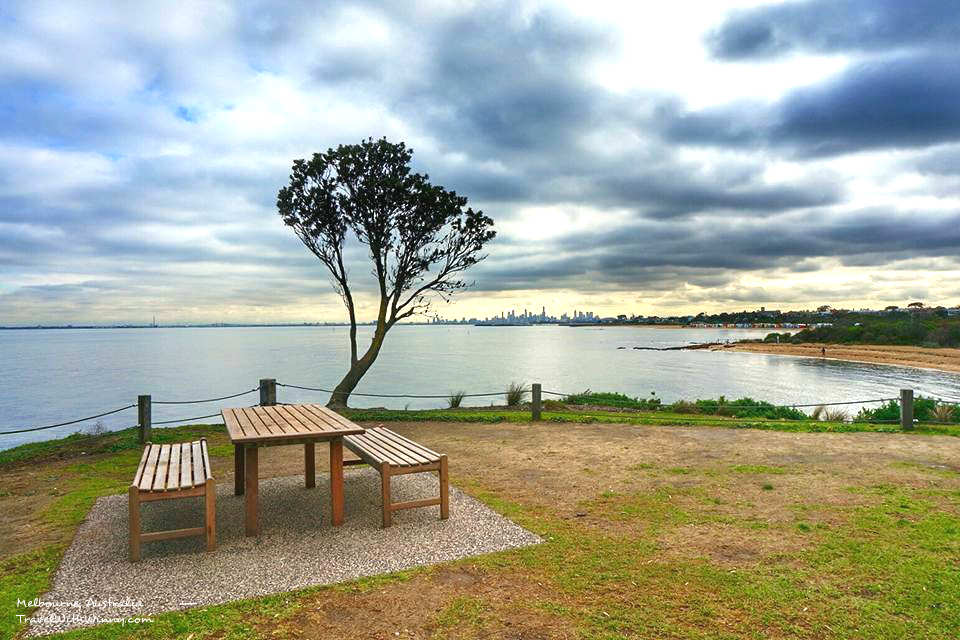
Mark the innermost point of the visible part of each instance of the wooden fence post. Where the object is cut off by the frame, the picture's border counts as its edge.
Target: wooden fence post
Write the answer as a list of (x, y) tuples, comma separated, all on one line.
[(144, 418), (906, 409), (268, 392), (536, 405)]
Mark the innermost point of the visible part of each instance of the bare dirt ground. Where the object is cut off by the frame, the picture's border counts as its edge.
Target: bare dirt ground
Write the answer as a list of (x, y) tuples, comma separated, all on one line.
[(942, 359), (735, 499)]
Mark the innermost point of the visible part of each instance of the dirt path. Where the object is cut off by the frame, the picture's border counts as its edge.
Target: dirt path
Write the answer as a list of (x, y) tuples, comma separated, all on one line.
[(920, 357)]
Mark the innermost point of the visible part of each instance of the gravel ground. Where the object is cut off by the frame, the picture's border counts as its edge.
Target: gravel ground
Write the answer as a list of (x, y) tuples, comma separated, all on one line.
[(297, 548)]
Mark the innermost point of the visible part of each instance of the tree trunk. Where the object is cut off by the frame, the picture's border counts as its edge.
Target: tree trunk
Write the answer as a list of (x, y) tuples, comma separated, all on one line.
[(341, 393)]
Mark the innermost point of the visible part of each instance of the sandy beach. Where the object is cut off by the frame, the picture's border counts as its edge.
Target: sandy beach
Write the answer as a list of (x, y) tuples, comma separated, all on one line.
[(922, 357)]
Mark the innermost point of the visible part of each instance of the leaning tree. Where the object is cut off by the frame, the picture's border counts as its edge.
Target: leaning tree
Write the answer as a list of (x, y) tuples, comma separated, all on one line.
[(420, 236)]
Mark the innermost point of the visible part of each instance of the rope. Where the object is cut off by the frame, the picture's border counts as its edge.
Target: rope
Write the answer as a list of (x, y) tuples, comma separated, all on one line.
[(187, 419), (394, 395), (236, 395), (62, 424)]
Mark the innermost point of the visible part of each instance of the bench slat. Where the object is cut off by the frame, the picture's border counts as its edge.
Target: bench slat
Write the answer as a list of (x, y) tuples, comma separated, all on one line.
[(140, 467), (173, 475), (163, 462), (207, 471), (383, 445), (186, 466), (198, 477), (373, 456), (358, 444), (146, 480), (405, 452), (427, 454), (387, 438)]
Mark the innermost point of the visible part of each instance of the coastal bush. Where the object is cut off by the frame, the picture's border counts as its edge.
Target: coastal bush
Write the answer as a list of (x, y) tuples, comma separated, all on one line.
[(779, 337), (613, 399), (683, 406), (455, 399), (924, 409), (516, 392), (740, 408)]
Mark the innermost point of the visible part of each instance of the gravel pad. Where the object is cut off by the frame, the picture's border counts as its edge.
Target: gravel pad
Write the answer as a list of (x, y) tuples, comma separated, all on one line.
[(297, 547)]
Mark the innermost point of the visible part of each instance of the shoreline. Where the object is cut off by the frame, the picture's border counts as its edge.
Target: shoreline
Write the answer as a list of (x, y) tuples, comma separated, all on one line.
[(935, 359)]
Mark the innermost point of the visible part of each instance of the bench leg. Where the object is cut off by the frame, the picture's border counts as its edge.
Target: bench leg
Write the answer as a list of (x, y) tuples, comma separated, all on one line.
[(251, 488), (336, 481), (309, 465), (134, 501), (238, 469), (444, 489), (385, 494), (210, 508)]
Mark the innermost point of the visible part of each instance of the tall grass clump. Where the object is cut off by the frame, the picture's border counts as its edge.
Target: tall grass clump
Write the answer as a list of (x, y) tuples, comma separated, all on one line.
[(455, 399), (827, 414), (516, 392), (945, 413)]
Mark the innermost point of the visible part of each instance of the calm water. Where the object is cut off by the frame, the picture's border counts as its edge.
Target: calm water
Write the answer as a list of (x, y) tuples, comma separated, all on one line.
[(53, 376)]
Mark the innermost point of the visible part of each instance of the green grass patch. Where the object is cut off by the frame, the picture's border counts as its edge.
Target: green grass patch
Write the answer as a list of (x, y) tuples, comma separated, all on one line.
[(110, 442), (22, 578)]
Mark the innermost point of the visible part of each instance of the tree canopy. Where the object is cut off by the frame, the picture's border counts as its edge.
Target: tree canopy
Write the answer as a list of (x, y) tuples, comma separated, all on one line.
[(421, 237)]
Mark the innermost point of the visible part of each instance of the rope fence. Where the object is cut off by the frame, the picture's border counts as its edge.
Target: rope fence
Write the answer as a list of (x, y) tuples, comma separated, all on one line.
[(63, 424), (267, 389), (235, 395)]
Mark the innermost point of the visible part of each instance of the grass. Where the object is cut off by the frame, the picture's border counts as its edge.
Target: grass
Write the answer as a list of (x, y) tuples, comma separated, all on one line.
[(24, 577), (885, 568)]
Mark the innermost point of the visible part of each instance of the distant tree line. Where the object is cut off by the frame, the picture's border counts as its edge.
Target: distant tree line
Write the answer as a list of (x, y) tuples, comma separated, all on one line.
[(906, 329)]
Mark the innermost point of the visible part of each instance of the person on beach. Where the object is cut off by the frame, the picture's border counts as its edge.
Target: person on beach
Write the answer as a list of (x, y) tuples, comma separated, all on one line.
[(823, 352)]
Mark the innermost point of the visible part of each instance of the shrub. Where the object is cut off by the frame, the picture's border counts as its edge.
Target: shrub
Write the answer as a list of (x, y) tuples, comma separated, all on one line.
[(923, 410), (612, 399), (516, 392), (745, 408), (683, 406), (455, 399)]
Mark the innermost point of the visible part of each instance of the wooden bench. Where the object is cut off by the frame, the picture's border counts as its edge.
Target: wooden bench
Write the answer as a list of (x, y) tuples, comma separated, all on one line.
[(393, 455), (167, 472)]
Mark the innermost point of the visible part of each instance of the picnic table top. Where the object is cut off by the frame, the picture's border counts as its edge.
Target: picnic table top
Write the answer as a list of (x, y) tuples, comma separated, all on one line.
[(286, 422)]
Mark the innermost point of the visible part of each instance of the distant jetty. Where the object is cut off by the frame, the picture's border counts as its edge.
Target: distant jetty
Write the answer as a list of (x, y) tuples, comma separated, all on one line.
[(683, 347)]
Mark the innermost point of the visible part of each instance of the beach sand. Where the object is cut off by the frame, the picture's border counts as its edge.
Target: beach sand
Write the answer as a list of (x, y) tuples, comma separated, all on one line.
[(922, 357)]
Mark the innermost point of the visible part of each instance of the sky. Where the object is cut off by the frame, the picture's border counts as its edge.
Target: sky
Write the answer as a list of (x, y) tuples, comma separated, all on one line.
[(639, 158)]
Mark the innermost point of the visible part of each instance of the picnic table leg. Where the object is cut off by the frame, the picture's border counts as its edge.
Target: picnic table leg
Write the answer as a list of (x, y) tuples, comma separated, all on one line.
[(309, 465), (251, 479), (336, 480), (238, 469)]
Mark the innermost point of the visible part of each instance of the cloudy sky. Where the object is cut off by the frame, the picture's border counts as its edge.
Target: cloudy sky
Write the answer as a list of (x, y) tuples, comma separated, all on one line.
[(637, 157)]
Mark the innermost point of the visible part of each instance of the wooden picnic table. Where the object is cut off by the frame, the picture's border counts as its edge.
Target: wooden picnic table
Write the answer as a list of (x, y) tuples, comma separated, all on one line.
[(253, 427)]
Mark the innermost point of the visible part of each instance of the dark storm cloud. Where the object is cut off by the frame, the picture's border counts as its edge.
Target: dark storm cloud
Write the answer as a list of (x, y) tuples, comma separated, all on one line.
[(833, 26), (628, 255), (903, 102)]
